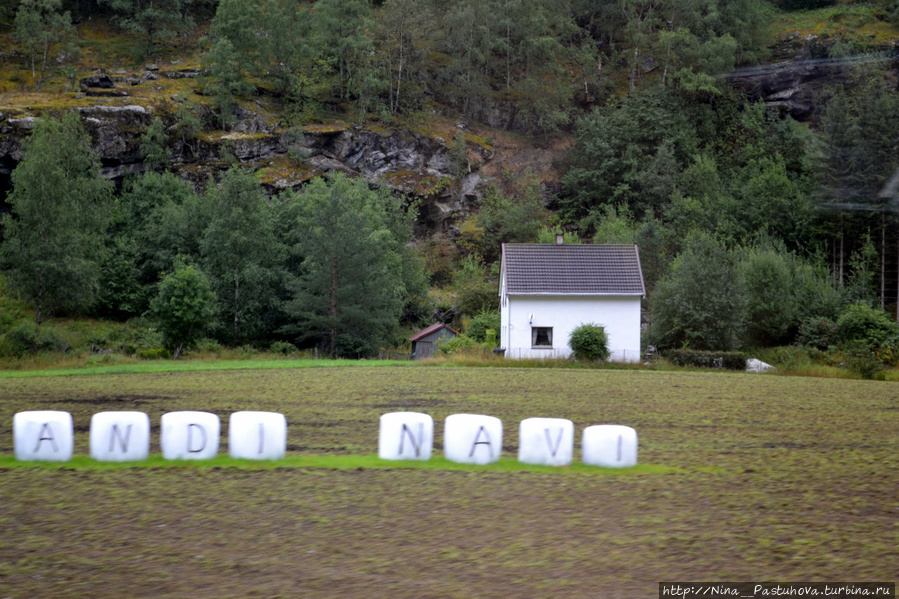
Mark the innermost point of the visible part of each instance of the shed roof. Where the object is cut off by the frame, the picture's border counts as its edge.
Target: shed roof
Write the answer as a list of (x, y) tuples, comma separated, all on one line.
[(547, 269), (431, 329)]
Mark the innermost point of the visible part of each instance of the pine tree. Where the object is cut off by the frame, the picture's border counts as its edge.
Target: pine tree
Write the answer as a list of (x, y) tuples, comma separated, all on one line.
[(349, 292)]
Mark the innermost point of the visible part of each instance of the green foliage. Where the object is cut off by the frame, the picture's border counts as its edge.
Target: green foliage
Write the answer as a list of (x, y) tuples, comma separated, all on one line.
[(39, 26), (282, 347), (862, 323), (589, 343), (863, 264), (701, 302), (614, 225), (707, 359), (240, 253), (159, 20), (481, 324), (223, 79), (53, 236), (460, 344), (183, 307), (153, 146), (27, 338), (629, 155), (818, 332), (782, 291), (476, 290), (507, 219), (861, 359), (347, 294)]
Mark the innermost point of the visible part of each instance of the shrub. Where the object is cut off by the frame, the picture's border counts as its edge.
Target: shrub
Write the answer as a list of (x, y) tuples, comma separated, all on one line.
[(860, 322), (818, 332), (707, 359), (27, 338), (481, 323), (458, 344), (282, 347), (207, 345), (157, 353), (589, 343), (862, 360)]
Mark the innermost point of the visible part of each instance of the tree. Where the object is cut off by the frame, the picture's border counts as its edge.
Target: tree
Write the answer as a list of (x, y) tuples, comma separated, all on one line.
[(159, 20), (629, 154), (223, 80), (348, 293), (183, 307), (402, 27), (53, 237), (701, 303), (344, 42), (239, 253), (153, 146), (39, 25)]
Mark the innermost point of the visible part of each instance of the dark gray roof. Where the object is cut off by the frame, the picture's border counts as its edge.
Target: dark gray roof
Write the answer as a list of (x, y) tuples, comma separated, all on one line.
[(542, 268)]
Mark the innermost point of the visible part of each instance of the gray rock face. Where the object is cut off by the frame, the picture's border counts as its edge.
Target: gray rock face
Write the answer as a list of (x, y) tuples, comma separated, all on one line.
[(403, 162), (97, 81)]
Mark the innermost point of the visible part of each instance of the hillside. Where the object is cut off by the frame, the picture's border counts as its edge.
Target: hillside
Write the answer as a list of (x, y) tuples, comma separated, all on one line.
[(758, 134)]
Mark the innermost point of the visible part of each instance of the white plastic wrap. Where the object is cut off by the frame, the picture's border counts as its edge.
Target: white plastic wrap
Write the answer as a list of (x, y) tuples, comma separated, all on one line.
[(546, 441), (189, 435), (610, 446), (257, 435), (43, 436), (120, 436), (473, 438), (405, 436)]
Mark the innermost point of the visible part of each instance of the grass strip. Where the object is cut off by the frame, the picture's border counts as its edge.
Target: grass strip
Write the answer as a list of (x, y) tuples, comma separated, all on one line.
[(163, 366), (329, 462)]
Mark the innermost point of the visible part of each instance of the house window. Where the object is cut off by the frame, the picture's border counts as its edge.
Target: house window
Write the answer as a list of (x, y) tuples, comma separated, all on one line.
[(541, 336)]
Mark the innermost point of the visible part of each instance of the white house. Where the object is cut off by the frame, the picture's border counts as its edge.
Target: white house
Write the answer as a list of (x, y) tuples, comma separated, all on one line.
[(546, 291)]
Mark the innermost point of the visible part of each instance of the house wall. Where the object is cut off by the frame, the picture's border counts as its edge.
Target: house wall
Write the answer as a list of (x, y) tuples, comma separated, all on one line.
[(619, 315)]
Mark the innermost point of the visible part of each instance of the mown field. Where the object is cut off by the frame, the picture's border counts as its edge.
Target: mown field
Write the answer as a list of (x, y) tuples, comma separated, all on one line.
[(757, 478)]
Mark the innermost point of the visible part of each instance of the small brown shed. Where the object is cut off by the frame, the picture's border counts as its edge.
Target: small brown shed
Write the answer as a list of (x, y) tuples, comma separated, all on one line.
[(424, 342)]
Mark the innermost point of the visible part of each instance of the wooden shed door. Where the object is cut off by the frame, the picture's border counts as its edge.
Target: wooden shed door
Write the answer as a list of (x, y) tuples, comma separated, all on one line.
[(424, 349)]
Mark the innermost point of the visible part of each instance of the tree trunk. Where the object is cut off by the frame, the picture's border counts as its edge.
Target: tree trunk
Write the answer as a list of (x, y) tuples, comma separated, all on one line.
[(883, 260), (333, 312)]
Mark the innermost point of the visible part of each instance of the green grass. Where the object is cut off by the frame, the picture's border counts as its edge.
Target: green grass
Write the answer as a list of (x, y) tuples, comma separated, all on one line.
[(331, 462), (862, 22), (162, 366)]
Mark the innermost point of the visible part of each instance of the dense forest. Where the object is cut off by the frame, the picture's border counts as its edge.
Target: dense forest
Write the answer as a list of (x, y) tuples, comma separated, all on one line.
[(758, 225)]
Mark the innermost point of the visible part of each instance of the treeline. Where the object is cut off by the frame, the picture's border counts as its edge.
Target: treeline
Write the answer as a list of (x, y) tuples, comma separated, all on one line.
[(327, 268), (522, 64)]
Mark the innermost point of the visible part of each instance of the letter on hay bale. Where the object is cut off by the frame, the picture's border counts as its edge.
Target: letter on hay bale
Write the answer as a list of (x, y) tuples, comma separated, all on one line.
[(472, 438), (43, 436), (546, 441), (120, 436), (189, 435), (257, 435), (405, 436), (610, 446)]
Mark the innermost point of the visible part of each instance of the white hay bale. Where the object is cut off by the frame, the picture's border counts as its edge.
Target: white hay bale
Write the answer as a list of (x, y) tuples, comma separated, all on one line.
[(257, 435), (610, 446), (546, 441), (472, 438), (405, 436), (43, 436), (754, 365), (189, 435), (120, 436)]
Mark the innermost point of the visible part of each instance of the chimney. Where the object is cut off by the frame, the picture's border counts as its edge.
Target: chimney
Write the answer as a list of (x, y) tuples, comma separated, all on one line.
[(560, 238)]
